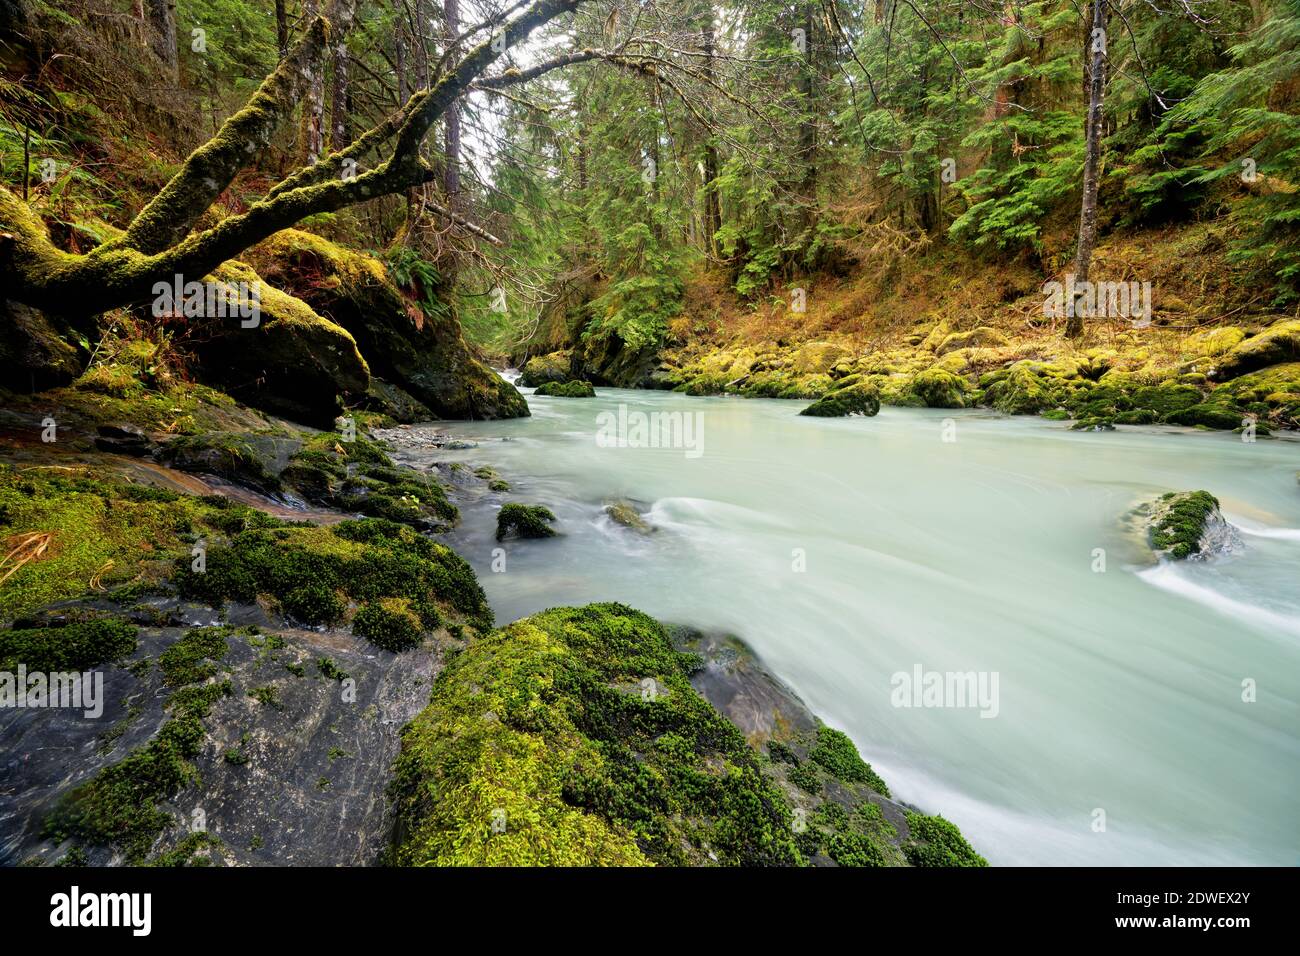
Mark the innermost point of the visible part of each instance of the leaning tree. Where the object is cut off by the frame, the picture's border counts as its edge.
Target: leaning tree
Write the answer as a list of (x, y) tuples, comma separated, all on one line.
[(162, 242)]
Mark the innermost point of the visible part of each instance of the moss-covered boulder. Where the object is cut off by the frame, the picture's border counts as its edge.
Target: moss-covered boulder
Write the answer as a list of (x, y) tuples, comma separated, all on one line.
[(416, 347), (1023, 389), (293, 362), (574, 389), (325, 570), (574, 737), (1279, 343), (861, 399), (939, 388), (1188, 525), (254, 461), (625, 513), (981, 337), (36, 352), (542, 369), (818, 358), (1214, 341), (525, 521)]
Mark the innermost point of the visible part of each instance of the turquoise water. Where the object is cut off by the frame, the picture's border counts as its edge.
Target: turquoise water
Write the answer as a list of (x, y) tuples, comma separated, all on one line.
[(848, 551)]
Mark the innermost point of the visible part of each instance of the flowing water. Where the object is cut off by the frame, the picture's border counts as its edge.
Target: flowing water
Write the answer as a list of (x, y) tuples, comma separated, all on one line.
[(848, 551)]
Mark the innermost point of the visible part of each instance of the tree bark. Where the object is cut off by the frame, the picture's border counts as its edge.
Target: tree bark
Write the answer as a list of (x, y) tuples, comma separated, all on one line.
[(282, 28), (712, 201), (313, 110), (451, 180), (162, 18), (1095, 53), (339, 96)]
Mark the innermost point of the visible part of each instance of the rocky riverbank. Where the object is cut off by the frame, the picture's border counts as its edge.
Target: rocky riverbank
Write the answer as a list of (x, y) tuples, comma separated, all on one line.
[(295, 671)]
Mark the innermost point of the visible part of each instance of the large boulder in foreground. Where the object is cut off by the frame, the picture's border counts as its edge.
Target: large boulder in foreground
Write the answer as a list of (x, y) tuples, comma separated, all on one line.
[(420, 350), (293, 363)]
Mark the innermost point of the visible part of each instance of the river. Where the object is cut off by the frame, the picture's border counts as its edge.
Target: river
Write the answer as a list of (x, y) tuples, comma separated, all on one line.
[(849, 552)]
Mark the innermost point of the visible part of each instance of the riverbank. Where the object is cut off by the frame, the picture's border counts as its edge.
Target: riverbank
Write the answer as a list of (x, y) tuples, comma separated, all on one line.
[(276, 661)]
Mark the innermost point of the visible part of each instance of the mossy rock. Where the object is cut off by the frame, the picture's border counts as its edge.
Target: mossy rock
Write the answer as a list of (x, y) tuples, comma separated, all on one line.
[(818, 358), (390, 623), (1019, 390), (553, 367), (294, 363), (1277, 344), (525, 521), (1212, 342), (363, 560), (573, 389), (932, 841), (1188, 524), (623, 513), (406, 341), (36, 351), (981, 337), (938, 388), (67, 647), (856, 400), (1214, 414), (574, 737), (252, 460), (1165, 400)]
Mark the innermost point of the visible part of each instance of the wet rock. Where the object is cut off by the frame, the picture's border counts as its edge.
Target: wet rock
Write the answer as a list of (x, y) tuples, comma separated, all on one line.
[(552, 367), (124, 440), (1188, 526), (861, 399), (626, 514)]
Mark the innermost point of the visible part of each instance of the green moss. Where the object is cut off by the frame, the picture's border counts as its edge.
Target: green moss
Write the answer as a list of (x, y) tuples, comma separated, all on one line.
[(524, 521), (188, 852), (119, 805), (1278, 343), (267, 695), (365, 560), (193, 657), (1216, 415), (388, 623), (1180, 522), (572, 389), (933, 841), (855, 400), (941, 389), (71, 647), (102, 529), (540, 369), (547, 724), (330, 669), (835, 751), (1018, 391), (313, 603), (804, 776)]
